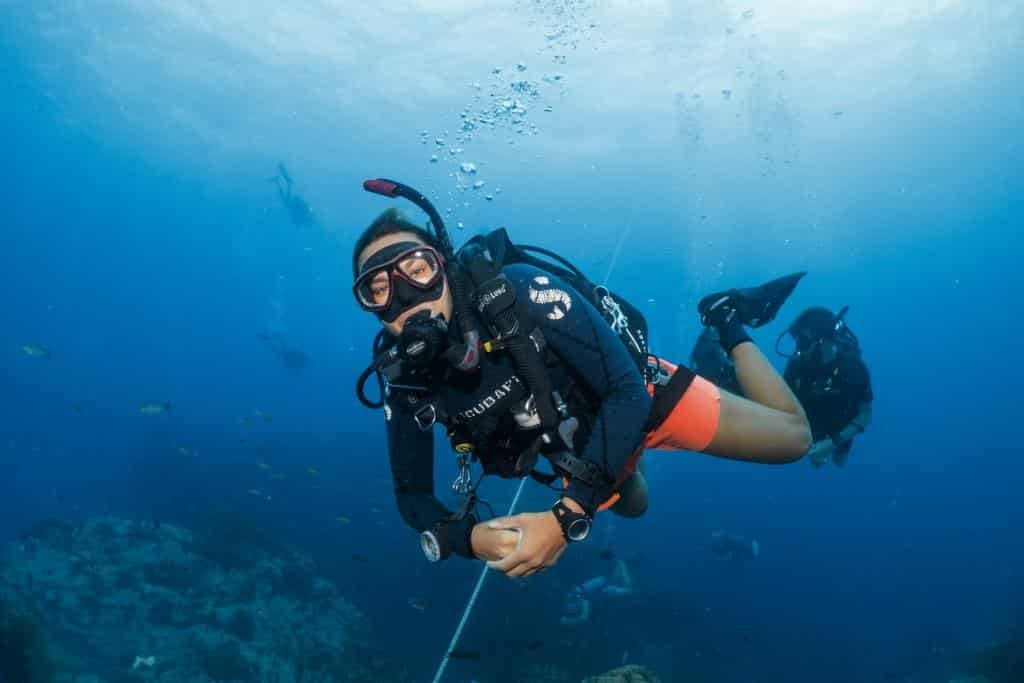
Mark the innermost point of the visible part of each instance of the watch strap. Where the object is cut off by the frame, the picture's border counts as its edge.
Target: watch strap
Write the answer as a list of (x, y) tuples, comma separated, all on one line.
[(575, 525)]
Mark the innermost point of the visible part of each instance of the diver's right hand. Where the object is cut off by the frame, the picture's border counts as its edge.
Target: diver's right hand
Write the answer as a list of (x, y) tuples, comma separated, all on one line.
[(492, 545)]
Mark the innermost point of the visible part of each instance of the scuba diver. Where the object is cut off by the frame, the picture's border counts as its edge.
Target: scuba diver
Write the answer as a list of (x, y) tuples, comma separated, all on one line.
[(827, 373), (733, 547), (578, 601), (298, 208), (523, 359), (295, 360)]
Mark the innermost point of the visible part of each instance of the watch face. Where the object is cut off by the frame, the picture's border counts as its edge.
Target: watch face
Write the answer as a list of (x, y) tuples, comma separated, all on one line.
[(578, 529), (431, 548)]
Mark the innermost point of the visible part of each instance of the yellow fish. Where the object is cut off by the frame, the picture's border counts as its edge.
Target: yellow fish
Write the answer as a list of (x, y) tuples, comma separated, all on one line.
[(156, 408)]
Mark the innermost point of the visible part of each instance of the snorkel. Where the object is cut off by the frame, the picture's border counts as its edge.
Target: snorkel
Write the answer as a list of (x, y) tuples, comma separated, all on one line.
[(465, 356)]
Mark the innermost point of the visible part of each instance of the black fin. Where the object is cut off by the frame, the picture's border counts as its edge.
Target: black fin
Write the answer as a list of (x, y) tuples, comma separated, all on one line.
[(284, 172), (758, 306)]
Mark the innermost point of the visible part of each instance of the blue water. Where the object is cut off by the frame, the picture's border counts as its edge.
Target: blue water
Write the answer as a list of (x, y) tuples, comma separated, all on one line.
[(875, 145)]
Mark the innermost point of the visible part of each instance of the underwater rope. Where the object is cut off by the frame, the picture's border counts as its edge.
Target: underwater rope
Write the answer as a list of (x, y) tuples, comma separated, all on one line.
[(623, 236), (483, 574), (472, 600)]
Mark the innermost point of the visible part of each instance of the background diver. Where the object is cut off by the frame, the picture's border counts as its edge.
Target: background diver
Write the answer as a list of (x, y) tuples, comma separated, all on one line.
[(825, 370), (577, 607), (298, 209), (827, 373), (531, 368), (292, 358), (732, 547)]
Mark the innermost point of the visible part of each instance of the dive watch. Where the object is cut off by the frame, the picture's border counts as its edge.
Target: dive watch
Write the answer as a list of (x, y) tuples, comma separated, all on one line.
[(434, 543), (575, 525)]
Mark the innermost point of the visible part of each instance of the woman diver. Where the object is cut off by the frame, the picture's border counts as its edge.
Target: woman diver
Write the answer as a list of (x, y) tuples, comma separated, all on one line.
[(521, 359)]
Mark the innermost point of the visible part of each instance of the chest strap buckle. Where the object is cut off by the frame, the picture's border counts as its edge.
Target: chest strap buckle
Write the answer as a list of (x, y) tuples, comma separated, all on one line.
[(426, 417)]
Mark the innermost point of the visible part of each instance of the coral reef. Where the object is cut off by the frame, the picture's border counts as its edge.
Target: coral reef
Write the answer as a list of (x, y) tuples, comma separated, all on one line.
[(626, 674), (24, 656), (545, 673), (998, 663), (132, 602)]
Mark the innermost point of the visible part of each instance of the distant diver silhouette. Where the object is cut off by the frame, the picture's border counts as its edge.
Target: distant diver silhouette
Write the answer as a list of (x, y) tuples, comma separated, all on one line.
[(298, 208), (293, 359)]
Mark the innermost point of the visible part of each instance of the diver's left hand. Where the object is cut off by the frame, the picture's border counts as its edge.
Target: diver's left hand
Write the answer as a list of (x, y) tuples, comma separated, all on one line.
[(821, 452), (541, 543)]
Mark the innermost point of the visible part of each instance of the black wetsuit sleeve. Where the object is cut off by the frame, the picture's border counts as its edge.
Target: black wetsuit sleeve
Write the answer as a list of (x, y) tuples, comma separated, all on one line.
[(588, 347), (863, 380), (411, 454)]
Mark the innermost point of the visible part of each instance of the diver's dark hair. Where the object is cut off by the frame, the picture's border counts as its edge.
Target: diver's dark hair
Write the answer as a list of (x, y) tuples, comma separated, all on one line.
[(388, 223), (816, 322)]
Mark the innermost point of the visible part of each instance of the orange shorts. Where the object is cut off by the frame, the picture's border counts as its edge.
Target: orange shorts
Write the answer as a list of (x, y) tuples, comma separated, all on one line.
[(690, 412), (684, 416)]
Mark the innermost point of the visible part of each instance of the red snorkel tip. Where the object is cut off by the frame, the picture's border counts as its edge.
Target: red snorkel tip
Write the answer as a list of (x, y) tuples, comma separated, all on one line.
[(387, 188)]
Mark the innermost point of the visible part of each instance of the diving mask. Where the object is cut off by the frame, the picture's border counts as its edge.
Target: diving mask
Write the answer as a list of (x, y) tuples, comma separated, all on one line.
[(399, 277)]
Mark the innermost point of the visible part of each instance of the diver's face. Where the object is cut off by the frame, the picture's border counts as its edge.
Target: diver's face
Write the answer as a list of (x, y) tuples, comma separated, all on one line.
[(440, 307)]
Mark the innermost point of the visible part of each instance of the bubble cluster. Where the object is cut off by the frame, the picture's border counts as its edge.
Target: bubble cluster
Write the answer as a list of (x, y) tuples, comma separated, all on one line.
[(508, 99), (566, 23), (502, 104)]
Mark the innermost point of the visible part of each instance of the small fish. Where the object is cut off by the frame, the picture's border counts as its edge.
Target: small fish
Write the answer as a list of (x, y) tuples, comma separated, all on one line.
[(463, 654), (36, 351), (77, 407), (256, 492), (344, 521), (263, 416), (155, 408), (263, 466), (418, 604), (313, 471), (147, 662), (183, 451), (607, 554), (375, 511), (277, 476), (360, 558), (534, 645)]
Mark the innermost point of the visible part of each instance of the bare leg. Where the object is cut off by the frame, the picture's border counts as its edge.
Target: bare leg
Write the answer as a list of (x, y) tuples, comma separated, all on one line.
[(760, 381)]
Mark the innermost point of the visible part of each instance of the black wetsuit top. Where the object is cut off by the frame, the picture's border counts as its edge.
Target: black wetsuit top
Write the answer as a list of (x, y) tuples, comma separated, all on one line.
[(831, 393), (587, 363)]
